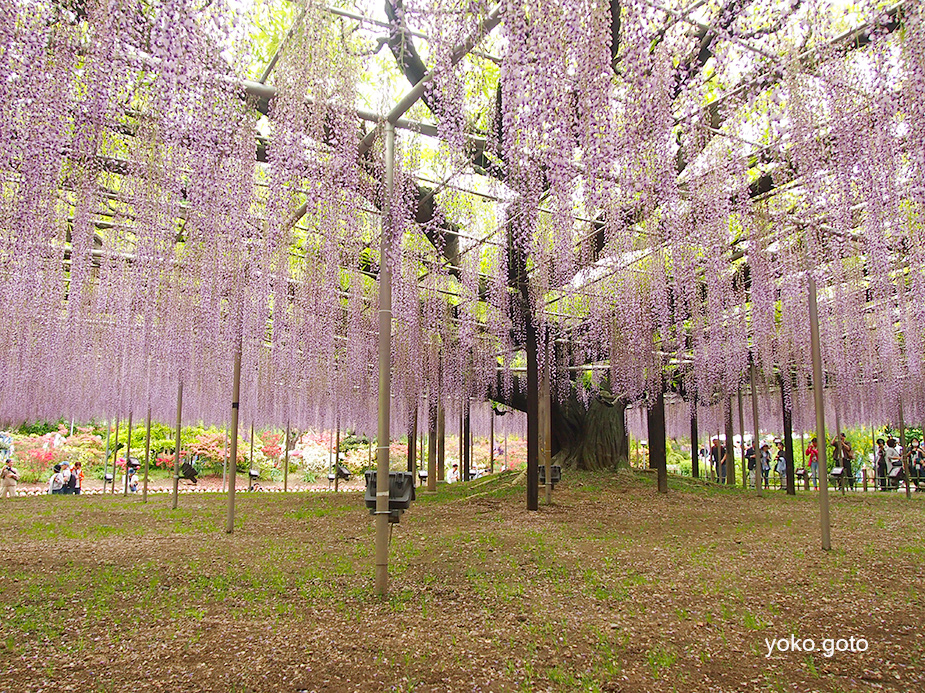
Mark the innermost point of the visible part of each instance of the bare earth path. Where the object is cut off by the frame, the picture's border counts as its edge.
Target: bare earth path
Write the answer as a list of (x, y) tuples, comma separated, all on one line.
[(612, 588)]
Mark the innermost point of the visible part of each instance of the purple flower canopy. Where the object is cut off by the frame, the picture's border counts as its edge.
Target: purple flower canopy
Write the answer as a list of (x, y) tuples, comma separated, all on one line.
[(663, 191)]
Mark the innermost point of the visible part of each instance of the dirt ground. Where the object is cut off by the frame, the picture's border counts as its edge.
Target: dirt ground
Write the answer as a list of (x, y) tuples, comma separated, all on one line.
[(610, 588)]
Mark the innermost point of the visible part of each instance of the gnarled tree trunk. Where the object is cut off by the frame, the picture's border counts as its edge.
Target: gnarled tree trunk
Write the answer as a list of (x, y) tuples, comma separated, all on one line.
[(593, 438)]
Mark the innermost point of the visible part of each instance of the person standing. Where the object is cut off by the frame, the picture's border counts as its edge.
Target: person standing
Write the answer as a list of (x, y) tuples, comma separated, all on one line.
[(78, 472), (893, 460), (750, 461), (8, 478), (766, 464), (812, 452), (781, 466), (718, 460), (69, 479), (56, 481), (881, 461), (916, 464), (847, 457)]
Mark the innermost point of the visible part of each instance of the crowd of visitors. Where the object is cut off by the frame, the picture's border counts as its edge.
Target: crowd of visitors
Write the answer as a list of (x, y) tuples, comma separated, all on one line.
[(66, 480), (885, 467)]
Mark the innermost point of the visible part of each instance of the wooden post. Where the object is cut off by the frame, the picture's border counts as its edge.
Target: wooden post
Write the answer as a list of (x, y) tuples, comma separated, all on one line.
[(176, 452), (695, 443), (788, 442), (658, 450)]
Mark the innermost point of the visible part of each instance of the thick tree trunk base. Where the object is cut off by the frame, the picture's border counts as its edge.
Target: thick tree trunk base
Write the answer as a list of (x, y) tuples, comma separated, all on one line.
[(590, 439)]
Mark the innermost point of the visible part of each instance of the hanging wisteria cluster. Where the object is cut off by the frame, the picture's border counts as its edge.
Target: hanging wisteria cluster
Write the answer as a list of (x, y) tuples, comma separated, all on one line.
[(647, 185)]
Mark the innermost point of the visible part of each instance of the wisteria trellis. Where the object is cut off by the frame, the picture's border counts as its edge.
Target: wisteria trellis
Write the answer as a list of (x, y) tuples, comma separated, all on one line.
[(143, 240)]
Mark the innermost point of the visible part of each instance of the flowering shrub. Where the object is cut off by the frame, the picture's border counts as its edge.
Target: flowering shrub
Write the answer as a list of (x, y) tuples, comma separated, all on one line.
[(271, 447)]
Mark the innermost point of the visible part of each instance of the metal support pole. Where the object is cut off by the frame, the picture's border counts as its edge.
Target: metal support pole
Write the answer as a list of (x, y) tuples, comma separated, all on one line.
[(838, 450), (412, 440), (385, 374), (432, 448), (544, 422), (756, 438), (788, 442), (742, 439), (115, 457), (695, 443), (658, 449), (286, 461), (176, 452), (233, 450), (533, 397), (106, 460), (491, 443), (144, 488), (818, 384), (337, 459), (902, 444), (128, 452), (729, 457), (441, 443), (467, 441), (250, 461), (225, 461)]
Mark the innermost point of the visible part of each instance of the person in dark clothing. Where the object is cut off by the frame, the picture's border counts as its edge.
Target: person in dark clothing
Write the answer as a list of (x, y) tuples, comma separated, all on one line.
[(750, 461), (847, 457), (916, 464), (880, 456), (718, 460)]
